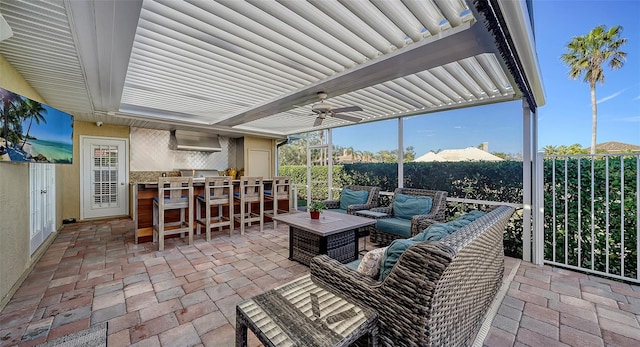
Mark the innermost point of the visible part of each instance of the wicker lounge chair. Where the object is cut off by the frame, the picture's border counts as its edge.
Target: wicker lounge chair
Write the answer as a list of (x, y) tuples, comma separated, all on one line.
[(384, 236), (372, 200), (438, 291)]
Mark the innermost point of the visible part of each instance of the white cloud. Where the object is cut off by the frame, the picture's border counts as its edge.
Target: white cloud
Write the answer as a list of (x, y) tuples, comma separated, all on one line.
[(632, 119), (607, 98), (457, 127), (637, 98)]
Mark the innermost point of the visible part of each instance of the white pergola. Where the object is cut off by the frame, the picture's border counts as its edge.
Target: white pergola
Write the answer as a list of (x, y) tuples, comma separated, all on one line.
[(255, 67)]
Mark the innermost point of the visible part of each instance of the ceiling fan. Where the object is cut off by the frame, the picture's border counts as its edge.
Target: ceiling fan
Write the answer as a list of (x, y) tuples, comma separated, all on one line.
[(324, 109)]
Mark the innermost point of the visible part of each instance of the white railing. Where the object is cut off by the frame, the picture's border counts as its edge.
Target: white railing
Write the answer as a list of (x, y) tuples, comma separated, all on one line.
[(590, 213)]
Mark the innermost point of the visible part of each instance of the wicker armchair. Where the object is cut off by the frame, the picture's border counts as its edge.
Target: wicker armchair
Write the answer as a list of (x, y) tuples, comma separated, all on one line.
[(437, 293), (418, 222), (372, 200)]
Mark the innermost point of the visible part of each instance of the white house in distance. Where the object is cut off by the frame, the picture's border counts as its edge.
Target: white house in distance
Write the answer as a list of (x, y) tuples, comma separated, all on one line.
[(465, 154)]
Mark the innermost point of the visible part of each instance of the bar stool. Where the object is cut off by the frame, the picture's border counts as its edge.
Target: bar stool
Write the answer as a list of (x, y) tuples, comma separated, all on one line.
[(218, 191), (174, 193), (251, 190), (280, 190)]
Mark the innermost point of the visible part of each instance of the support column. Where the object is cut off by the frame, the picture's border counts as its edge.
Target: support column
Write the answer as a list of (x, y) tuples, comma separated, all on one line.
[(538, 198), (330, 163), (307, 136), (526, 182), (400, 155)]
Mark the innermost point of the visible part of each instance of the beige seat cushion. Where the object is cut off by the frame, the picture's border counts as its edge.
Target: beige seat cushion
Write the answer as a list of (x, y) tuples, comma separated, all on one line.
[(370, 264)]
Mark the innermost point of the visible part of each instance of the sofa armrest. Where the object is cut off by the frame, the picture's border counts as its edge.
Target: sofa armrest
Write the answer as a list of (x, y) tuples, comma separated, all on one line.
[(338, 278), (358, 207), (384, 209), (423, 224), (332, 203), (418, 221)]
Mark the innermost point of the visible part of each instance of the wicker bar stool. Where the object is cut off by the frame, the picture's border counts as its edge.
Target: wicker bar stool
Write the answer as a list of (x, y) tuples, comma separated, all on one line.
[(251, 190), (174, 193), (280, 190), (218, 192)]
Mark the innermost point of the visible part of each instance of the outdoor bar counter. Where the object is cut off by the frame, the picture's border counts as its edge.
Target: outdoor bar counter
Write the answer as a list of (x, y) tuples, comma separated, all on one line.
[(142, 205)]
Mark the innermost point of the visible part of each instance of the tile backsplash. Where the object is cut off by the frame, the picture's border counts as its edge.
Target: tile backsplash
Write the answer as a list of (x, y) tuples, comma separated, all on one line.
[(150, 152)]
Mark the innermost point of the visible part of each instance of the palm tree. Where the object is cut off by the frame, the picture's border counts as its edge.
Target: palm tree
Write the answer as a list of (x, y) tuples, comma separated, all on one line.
[(32, 110), (586, 54)]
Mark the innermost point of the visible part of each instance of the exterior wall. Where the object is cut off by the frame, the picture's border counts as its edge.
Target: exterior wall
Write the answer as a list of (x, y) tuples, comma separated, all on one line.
[(15, 258), (71, 173)]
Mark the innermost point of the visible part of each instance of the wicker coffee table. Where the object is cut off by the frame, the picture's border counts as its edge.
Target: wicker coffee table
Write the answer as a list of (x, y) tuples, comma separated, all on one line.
[(334, 234), (301, 313)]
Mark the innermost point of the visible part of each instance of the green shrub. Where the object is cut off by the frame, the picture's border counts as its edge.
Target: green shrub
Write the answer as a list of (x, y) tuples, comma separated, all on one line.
[(502, 181), (493, 181), (571, 216)]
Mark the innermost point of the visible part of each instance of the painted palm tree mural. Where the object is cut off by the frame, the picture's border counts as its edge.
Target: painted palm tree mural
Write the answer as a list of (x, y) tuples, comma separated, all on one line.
[(33, 111), (33, 132)]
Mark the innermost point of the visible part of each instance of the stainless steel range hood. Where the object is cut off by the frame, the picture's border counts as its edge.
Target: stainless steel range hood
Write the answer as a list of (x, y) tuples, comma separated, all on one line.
[(194, 141)]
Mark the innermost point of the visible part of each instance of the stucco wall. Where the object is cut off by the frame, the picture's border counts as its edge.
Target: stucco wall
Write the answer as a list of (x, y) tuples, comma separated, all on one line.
[(71, 173), (15, 257)]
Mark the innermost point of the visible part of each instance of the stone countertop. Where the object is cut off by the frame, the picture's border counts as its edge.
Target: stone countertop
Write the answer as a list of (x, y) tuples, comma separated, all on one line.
[(147, 177)]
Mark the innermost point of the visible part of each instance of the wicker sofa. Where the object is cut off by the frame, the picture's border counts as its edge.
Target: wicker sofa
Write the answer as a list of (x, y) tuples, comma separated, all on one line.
[(438, 291), (372, 200), (392, 227)]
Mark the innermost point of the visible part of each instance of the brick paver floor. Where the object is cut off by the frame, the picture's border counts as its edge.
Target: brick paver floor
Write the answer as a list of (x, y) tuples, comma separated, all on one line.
[(186, 296), (548, 306)]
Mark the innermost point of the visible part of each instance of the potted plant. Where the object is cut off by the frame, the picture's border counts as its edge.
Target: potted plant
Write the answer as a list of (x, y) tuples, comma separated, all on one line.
[(315, 208)]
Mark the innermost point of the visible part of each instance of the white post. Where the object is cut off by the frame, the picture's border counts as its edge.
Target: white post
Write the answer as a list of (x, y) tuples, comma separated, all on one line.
[(538, 198), (400, 155), (308, 171), (526, 181), (538, 217), (330, 161)]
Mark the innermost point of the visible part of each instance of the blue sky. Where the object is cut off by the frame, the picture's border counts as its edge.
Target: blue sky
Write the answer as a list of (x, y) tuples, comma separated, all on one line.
[(565, 119), (57, 128)]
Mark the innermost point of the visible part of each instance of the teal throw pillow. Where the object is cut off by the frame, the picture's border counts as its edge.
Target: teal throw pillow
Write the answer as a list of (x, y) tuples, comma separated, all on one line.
[(407, 206), (391, 256), (353, 197)]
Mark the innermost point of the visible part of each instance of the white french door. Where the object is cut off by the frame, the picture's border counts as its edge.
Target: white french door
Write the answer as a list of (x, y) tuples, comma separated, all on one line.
[(42, 195), (104, 189)]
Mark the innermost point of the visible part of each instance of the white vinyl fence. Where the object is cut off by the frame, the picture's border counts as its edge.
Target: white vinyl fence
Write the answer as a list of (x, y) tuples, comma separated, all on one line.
[(591, 220)]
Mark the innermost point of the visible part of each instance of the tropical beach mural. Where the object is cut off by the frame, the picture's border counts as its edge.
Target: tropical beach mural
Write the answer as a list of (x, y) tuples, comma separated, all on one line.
[(33, 132)]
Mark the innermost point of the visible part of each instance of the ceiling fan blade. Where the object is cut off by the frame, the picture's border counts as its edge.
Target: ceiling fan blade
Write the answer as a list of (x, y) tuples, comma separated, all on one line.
[(347, 109), (318, 121), (347, 117)]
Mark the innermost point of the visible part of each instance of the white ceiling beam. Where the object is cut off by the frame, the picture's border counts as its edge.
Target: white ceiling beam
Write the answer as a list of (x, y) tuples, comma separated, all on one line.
[(459, 43), (104, 33)]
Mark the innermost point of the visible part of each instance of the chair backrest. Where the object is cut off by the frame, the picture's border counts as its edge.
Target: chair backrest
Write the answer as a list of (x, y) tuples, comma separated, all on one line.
[(218, 187), (172, 188), (281, 187), (374, 193), (251, 188), (439, 198)]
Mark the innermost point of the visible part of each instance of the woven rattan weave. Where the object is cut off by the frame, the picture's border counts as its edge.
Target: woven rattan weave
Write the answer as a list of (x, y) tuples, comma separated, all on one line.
[(437, 293), (301, 313)]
